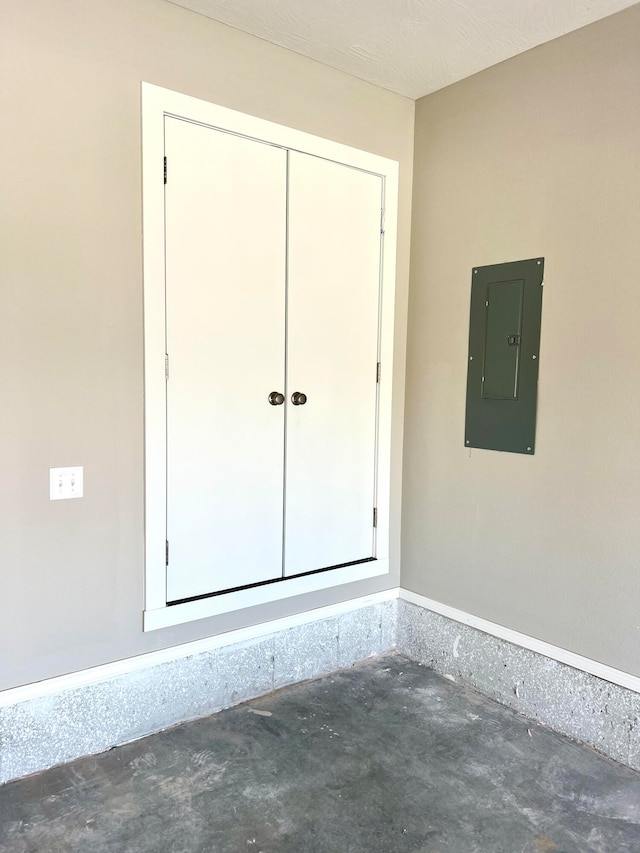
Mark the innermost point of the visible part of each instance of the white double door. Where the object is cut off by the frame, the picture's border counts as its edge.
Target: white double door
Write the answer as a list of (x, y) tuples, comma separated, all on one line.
[(272, 285)]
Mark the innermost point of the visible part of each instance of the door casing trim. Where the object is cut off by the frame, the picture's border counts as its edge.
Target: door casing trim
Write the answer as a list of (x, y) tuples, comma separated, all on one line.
[(157, 103)]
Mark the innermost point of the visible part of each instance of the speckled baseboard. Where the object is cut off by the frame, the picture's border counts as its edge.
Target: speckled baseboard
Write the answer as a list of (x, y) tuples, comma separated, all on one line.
[(111, 709), (120, 703), (571, 701)]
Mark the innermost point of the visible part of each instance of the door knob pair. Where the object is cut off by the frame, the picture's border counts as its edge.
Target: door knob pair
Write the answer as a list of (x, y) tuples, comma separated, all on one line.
[(297, 398)]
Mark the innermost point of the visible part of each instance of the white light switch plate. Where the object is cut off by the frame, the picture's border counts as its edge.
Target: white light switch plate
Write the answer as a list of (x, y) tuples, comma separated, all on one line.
[(65, 483)]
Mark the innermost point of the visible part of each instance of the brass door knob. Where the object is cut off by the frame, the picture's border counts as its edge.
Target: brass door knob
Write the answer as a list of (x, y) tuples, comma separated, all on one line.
[(298, 398), (276, 398)]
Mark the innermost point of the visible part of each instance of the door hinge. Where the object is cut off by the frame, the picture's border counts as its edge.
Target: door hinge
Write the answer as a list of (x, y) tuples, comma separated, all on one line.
[(381, 220), (378, 371), (375, 517), (166, 366), (165, 170), (166, 553)]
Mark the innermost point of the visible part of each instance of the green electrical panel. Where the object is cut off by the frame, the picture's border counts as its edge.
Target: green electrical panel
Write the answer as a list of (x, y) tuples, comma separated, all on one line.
[(504, 349)]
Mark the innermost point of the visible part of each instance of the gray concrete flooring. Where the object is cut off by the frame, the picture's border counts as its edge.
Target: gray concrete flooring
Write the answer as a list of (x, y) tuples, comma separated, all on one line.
[(385, 756)]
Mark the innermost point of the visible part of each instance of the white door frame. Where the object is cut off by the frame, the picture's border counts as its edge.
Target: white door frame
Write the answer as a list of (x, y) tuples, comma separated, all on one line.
[(156, 104)]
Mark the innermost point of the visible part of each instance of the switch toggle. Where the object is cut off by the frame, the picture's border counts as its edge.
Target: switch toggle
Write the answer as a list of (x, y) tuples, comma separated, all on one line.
[(65, 483)]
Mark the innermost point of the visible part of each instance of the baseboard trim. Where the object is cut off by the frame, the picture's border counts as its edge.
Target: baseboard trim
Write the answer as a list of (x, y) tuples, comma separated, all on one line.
[(57, 720), (105, 672), (592, 667), (63, 718)]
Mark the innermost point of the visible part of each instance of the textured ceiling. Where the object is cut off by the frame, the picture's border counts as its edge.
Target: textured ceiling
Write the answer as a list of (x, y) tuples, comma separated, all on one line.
[(411, 47)]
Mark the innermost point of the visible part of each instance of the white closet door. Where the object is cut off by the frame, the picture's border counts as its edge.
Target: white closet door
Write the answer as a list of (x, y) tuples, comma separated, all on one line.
[(225, 315), (333, 304)]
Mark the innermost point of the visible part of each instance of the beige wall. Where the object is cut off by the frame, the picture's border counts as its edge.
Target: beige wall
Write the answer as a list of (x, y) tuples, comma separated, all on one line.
[(537, 156), (71, 311)]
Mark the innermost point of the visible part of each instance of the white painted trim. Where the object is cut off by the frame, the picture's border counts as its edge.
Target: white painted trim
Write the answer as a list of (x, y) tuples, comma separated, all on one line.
[(154, 347), (387, 321), (177, 614), (158, 102), (105, 672), (592, 667)]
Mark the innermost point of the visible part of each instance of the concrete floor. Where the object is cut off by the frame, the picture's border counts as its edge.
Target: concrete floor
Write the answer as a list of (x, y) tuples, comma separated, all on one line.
[(385, 756)]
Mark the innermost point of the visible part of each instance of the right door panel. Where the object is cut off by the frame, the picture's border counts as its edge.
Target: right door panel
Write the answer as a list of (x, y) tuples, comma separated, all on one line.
[(332, 351)]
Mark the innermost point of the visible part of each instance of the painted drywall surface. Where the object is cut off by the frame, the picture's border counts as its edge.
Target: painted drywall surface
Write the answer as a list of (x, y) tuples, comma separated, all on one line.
[(71, 322), (535, 157)]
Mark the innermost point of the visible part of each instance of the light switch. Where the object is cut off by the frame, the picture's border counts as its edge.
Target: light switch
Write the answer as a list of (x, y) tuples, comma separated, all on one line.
[(65, 483)]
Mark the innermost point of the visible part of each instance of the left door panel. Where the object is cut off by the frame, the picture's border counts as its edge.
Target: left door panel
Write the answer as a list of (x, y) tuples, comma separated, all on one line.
[(225, 253)]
